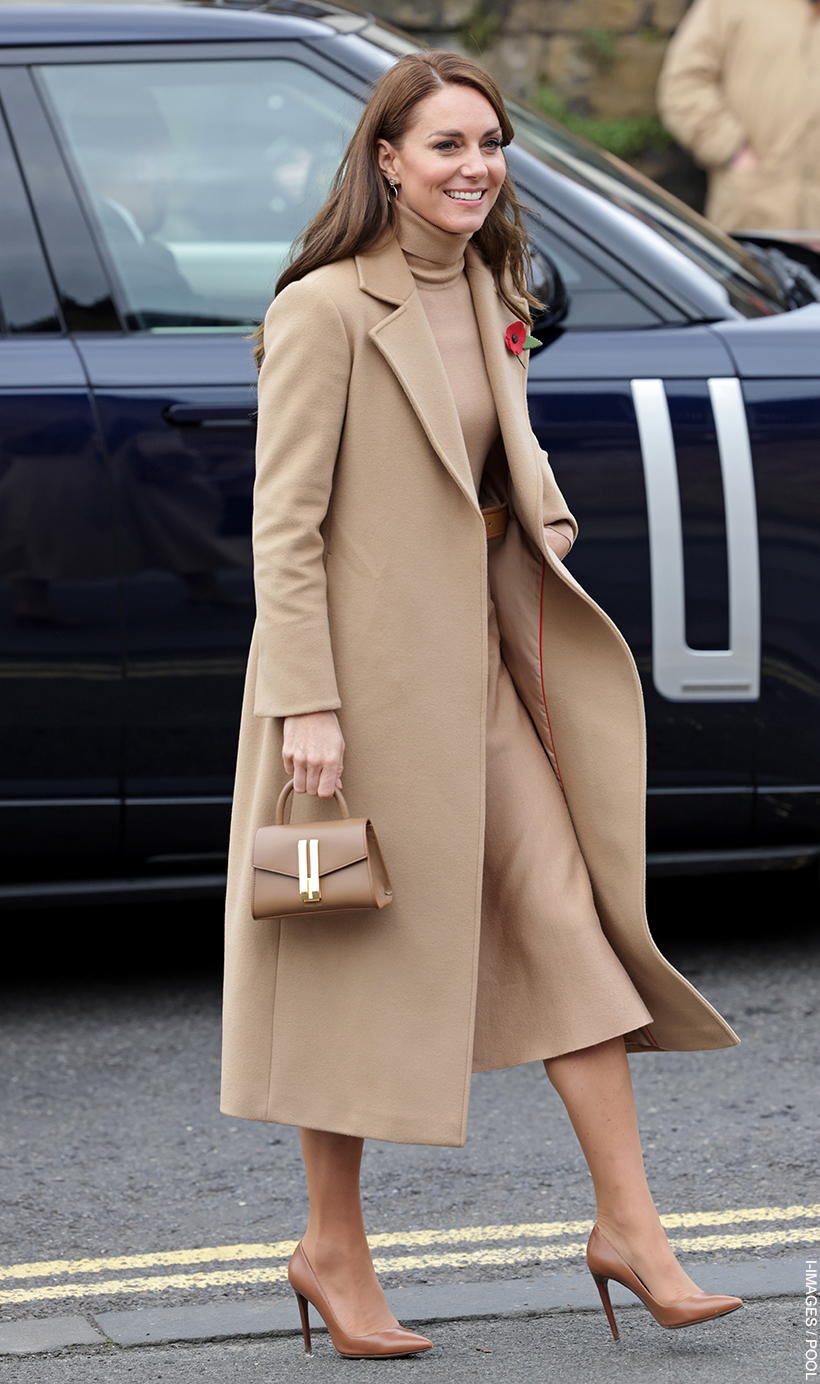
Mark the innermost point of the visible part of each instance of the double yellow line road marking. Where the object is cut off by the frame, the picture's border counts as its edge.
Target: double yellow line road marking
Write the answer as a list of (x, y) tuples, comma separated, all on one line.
[(532, 1244)]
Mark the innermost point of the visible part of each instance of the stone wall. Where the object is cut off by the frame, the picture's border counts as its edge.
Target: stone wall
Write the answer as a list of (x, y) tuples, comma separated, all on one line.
[(601, 58)]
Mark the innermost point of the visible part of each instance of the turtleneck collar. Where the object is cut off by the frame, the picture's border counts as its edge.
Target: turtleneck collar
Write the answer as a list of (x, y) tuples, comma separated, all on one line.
[(435, 257)]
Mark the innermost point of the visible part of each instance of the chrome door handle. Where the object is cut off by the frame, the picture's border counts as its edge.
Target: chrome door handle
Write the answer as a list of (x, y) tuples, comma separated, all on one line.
[(682, 674)]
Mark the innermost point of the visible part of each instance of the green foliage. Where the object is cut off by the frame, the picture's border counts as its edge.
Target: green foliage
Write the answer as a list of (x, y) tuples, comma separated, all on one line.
[(479, 28), (627, 138), (599, 46), (548, 101)]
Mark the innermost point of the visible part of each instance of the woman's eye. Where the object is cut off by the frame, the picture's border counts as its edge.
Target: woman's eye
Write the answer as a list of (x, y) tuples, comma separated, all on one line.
[(491, 145)]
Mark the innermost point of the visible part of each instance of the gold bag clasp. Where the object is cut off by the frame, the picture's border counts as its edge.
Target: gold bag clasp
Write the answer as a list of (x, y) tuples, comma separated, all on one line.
[(310, 887)]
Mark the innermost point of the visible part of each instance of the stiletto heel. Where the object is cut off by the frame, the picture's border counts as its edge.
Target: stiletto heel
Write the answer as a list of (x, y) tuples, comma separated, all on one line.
[(303, 1313), (393, 1341), (605, 1263), (602, 1284)]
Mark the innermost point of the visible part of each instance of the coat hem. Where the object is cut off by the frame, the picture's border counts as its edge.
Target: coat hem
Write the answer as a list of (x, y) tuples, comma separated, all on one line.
[(352, 1128)]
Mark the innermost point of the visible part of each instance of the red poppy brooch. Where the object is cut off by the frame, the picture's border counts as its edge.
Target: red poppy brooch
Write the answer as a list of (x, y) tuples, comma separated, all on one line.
[(518, 339)]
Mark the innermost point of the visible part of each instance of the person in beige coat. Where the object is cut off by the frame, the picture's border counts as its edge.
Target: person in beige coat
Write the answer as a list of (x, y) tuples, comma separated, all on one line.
[(486, 713), (740, 89)]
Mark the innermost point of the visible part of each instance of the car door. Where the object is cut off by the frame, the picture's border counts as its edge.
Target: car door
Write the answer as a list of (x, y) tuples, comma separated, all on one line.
[(646, 431), (196, 173), (779, 364), (61, 665)]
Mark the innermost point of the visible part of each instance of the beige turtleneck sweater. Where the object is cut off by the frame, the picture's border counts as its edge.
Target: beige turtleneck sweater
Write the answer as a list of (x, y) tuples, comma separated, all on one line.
[(436, 260)]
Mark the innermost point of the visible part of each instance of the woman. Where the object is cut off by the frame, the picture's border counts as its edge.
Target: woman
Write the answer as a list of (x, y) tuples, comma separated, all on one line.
[(497, 742)]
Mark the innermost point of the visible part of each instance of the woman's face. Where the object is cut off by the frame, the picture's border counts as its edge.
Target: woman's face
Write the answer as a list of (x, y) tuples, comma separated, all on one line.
[(450, 165)]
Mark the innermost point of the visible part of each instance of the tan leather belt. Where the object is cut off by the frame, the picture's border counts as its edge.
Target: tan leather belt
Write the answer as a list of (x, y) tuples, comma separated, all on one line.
[(495, 520)]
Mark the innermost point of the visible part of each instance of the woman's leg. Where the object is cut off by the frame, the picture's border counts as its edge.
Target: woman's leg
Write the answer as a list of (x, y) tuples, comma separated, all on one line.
[(596, 1088), (335, 1241)]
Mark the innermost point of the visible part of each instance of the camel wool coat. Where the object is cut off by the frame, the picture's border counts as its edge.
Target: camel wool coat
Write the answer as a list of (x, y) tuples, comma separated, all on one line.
[(371, 576), (748, 72)]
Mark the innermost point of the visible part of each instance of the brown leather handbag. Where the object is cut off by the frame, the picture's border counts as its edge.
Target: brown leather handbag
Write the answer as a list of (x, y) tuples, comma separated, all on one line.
[(317, 867)]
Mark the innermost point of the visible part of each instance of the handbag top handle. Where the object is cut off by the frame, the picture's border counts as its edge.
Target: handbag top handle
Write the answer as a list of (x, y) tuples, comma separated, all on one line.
[(285, 794)]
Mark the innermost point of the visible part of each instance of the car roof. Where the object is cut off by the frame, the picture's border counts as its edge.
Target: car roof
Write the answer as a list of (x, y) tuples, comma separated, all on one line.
[(28, 25)]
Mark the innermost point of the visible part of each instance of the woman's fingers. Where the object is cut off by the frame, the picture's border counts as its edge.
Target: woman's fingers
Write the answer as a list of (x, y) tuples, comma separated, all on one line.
[(313, 778), (557, 539), (329, 779), (313, 752)]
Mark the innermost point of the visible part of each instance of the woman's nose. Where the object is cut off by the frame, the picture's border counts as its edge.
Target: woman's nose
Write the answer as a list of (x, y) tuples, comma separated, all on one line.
[(473, 165)]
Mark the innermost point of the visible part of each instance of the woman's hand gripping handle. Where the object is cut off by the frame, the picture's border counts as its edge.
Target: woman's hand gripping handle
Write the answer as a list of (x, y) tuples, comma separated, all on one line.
[(313, 751)]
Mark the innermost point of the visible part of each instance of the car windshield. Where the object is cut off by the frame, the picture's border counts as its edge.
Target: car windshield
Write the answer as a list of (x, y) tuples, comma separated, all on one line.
[(749, 290)]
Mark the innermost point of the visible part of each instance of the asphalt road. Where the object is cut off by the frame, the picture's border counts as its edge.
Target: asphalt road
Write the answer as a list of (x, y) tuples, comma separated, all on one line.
[(760, 1345), (112, 1145)]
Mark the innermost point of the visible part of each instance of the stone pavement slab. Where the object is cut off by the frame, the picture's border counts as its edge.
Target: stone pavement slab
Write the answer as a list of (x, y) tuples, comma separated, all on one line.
[(35, 1334), (217, 1322)]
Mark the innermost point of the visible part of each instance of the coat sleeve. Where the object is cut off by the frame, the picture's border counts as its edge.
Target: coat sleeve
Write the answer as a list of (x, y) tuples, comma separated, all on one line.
[(303, 389), (691, 99)]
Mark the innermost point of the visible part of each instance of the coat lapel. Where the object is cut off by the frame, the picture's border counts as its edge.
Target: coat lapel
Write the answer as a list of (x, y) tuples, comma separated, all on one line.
[(508, 380), (407, 343)]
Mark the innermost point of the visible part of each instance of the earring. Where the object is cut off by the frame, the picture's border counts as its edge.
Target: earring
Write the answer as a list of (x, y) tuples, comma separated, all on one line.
[(393, 188)]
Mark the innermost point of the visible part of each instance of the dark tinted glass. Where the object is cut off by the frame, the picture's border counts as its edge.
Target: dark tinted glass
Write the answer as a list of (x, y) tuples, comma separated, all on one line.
[(27, 299), (198, 176), (596, 301), (85, 296)]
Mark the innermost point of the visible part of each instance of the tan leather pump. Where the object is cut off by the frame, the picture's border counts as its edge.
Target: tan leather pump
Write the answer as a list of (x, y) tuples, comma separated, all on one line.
[(394, 1340), (605, 1263)]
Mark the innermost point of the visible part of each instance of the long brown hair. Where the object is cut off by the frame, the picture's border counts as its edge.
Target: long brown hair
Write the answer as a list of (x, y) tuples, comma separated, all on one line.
[(358, 209)]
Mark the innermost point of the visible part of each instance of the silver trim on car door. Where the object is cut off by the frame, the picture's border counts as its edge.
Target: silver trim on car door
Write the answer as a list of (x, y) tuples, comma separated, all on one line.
[(682, 674)]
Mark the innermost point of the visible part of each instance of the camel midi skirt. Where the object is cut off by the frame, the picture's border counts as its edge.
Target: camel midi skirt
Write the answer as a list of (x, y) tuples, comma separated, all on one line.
[(548, 979)]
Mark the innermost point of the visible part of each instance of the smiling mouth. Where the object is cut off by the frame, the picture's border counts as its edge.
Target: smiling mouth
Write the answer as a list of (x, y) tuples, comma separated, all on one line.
[(464, 196)]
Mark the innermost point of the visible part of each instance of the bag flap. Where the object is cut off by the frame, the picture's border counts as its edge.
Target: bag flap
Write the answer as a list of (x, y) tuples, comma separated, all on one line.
[(340, 844)]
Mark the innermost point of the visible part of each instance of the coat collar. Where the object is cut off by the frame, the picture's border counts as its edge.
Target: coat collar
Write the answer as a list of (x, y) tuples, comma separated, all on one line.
[(406, 342), (384, 272)]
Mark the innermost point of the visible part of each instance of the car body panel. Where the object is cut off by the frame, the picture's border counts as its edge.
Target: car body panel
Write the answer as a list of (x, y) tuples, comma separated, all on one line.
[(40, 26), (784, 420), (774, 347), (121, 730), (61, 670), (693, 353)]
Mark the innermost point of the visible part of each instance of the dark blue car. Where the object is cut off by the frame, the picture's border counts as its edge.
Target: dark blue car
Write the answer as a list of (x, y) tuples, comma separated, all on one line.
[(155, 166)]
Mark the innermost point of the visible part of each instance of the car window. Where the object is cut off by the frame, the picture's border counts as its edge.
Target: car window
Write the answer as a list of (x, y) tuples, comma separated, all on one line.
[(27, 301), (198, 176), (595, 301)]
